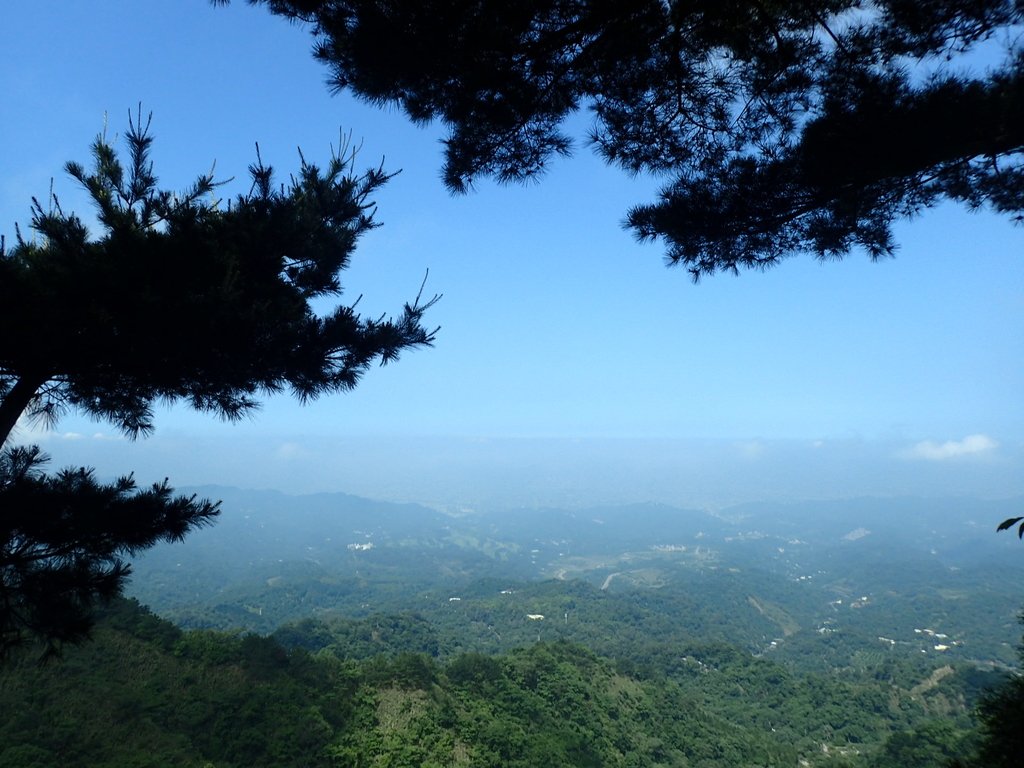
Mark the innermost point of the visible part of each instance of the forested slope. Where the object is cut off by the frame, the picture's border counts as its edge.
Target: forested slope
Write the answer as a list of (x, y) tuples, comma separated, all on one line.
[(144, 693)]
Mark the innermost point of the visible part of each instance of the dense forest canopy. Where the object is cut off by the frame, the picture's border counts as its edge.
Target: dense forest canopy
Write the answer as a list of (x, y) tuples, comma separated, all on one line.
[(783, 127), (147, 693)]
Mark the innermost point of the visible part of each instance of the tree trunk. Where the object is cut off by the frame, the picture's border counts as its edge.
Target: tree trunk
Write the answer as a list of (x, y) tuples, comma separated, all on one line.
[(15, 403)]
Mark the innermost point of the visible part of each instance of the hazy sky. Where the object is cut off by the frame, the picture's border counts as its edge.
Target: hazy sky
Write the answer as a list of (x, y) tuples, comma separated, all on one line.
[(560, 333)]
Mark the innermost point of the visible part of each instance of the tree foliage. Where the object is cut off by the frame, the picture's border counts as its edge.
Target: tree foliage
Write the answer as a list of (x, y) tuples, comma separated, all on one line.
[(185, 297), (63, 539), (783, 127), (1009, 523), (179, 297), (147, 693)]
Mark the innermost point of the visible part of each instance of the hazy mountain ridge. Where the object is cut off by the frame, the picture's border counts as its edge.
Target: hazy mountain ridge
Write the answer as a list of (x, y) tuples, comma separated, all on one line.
[(272, 525), (773, 578)]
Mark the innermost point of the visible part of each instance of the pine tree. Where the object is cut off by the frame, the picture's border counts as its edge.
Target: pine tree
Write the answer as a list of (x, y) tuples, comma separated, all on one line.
[(181, 297), (63, 540), (185, 297), (783, 127)]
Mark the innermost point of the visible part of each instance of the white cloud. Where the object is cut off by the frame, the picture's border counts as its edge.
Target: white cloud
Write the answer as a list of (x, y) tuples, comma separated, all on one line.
[(28, 431), (971, 445), (75, 436)]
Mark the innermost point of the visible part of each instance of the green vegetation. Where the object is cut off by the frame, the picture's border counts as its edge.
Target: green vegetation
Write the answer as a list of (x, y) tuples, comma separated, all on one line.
[(540, 639), (782, 575), (381, 693)]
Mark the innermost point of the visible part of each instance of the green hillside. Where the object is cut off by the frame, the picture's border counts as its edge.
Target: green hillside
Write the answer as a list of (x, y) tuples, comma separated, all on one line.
[(144, 693)]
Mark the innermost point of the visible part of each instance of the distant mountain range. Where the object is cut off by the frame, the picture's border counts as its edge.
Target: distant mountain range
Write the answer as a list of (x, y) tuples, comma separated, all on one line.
[(267, 525), (273, 558)]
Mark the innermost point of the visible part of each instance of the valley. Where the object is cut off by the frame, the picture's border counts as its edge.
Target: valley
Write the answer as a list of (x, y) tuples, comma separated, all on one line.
[(332, 630)]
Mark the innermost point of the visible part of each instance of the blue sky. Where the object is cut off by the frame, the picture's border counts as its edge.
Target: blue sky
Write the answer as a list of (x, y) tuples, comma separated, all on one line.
[(559, 331)]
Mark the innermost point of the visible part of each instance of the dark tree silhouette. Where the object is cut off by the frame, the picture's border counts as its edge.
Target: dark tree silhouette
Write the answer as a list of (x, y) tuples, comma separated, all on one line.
[(184, 297), (180, 297), (784, 127), (1009, 523), (63, 539)]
